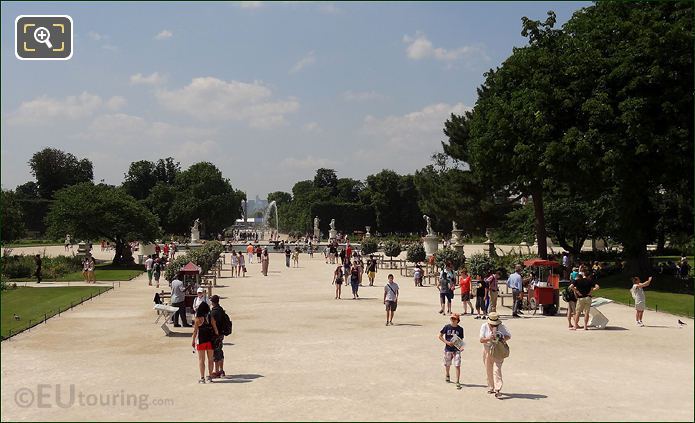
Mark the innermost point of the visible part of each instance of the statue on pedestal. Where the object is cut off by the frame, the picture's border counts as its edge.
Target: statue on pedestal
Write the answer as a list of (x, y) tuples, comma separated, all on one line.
[(332, 224), (430, 232), (195, 231)]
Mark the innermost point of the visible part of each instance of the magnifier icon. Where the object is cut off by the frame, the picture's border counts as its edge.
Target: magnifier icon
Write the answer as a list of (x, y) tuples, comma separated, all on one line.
[(43, 36)]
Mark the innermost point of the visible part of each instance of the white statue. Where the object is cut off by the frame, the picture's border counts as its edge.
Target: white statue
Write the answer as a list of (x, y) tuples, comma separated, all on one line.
[(429, 225), (196, 225), (316, 223), (332, 224), (453, 226)]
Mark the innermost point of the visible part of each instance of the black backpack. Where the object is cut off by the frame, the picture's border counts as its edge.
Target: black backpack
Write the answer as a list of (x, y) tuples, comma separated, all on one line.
[(225, 326), (568, 295)]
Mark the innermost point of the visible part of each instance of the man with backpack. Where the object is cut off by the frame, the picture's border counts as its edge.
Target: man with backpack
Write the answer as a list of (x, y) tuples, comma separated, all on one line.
[(224, 325), (447, 284)]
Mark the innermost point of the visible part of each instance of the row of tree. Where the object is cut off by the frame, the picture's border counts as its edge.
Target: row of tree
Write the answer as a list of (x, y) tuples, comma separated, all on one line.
[(155, 198)]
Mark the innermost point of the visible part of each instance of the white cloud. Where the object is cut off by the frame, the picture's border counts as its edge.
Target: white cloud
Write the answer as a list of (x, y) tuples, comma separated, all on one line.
[(307, 163), (95, 36), (212, 99), (414, 130), (115, 103), (151, 79), (45, 109), (362, 95), (312, 127), (250, 4), (191, 151), (419, 47), (121, 128), (305, 61), (164, 35)]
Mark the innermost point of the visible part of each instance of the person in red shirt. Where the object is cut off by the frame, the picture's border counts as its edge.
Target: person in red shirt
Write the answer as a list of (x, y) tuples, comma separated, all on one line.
[(165, 250), (465, 284), (348, 252)]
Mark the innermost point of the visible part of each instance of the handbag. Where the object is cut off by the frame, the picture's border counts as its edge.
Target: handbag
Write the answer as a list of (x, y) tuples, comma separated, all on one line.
[(499, 349)]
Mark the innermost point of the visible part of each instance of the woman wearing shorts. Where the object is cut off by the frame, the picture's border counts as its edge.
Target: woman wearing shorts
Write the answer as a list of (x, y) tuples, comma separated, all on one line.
[(465, 285), (241, 266), (204, 331), (638, 295), (338, 281)]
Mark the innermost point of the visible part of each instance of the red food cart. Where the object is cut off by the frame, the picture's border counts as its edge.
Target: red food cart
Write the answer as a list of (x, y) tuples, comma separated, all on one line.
[(546, 293)]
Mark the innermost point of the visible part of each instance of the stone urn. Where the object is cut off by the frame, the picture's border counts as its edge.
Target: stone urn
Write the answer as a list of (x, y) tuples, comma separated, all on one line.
[(431, 244)]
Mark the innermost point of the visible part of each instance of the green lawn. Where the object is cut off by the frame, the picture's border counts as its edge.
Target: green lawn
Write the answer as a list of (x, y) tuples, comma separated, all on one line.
[(30, 304), (106, 272), (666, 293)]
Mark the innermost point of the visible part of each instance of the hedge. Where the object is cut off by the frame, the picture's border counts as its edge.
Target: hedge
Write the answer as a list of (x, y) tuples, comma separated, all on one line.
[(205, 257)]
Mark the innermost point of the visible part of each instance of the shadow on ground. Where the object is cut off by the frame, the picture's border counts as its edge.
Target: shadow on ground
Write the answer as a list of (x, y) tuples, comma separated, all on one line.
[(506, 396), (241, 378)]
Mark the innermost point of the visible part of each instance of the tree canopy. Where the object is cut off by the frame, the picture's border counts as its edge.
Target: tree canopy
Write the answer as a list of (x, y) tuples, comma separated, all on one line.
[(55, 169), (88, 211)]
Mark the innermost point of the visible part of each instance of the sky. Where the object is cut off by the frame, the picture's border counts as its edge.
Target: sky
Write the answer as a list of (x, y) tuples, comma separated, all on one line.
[(268, 92)]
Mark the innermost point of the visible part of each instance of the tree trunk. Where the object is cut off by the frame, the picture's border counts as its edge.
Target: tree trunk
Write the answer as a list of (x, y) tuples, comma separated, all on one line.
[(573, 250), (541, 234), (660, 242), (638, 264), (119, 249)]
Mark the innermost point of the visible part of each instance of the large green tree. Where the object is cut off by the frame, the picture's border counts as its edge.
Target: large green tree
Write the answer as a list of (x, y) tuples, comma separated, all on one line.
[(94, 212), (394, 199), (55, 169), (201, 192), (12, 219), (34, 207)]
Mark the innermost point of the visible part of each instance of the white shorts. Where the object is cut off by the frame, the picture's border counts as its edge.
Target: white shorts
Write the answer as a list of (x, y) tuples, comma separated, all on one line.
[(452, 357), (639, 306)]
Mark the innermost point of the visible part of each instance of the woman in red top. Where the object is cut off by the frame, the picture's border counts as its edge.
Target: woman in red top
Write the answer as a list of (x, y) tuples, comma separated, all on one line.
[(465, 284)]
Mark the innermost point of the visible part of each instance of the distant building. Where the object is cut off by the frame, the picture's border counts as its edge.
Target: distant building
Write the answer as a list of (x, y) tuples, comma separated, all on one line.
[(256, 205)]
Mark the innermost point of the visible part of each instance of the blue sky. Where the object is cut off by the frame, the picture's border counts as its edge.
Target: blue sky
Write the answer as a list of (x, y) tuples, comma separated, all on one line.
[(268, 92)]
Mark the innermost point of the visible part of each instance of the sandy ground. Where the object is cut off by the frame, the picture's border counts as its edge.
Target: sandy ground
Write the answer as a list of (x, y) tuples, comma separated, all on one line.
[(298, 354)]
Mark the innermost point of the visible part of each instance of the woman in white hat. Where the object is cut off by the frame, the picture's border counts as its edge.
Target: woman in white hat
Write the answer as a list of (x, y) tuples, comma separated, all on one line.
[(199, 299), (489, 331)]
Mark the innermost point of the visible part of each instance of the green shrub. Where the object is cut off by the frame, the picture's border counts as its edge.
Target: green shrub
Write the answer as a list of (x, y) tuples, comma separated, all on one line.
[(369, 246), (480, 264), (205, 257), (455, 257), (14, 267), (505, 264), (392, 248), (416, 253)]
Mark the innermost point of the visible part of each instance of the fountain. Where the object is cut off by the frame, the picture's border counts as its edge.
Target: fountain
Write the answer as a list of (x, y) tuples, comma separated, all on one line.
[(266, 217)]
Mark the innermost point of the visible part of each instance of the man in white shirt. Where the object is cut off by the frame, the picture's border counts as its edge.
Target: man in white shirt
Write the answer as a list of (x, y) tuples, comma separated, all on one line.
[(390, 299), (148, 267), (517, 285)]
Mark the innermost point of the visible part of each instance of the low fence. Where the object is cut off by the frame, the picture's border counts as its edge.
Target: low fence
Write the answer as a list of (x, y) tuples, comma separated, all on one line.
[(52, 313)]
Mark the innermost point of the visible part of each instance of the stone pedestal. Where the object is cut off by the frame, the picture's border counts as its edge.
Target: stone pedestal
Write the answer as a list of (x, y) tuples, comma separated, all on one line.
[(332, 234), (431, 244), (317, 234), (456, 237), (490, 248), (195, 235)]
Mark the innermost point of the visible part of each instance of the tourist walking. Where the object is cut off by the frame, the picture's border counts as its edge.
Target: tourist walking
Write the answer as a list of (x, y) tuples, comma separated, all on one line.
[(178, 296), (447, 281), (491, 281), (157, 271), (371, 269), (452, 354), (390, 299), (249, 252), (571, 300), (148, 267), (37, 273), (241, 265), (288, 253), (332, 252), (264, 259), (295, 257), (204, 332), (259, 252), (67, 242), (583, 287), (465, 285), (235, 262), (492, 333), (515, 282), (418, 274), (88, 266), (338, 277), (354, 278), (480, 294), (637, 292)]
